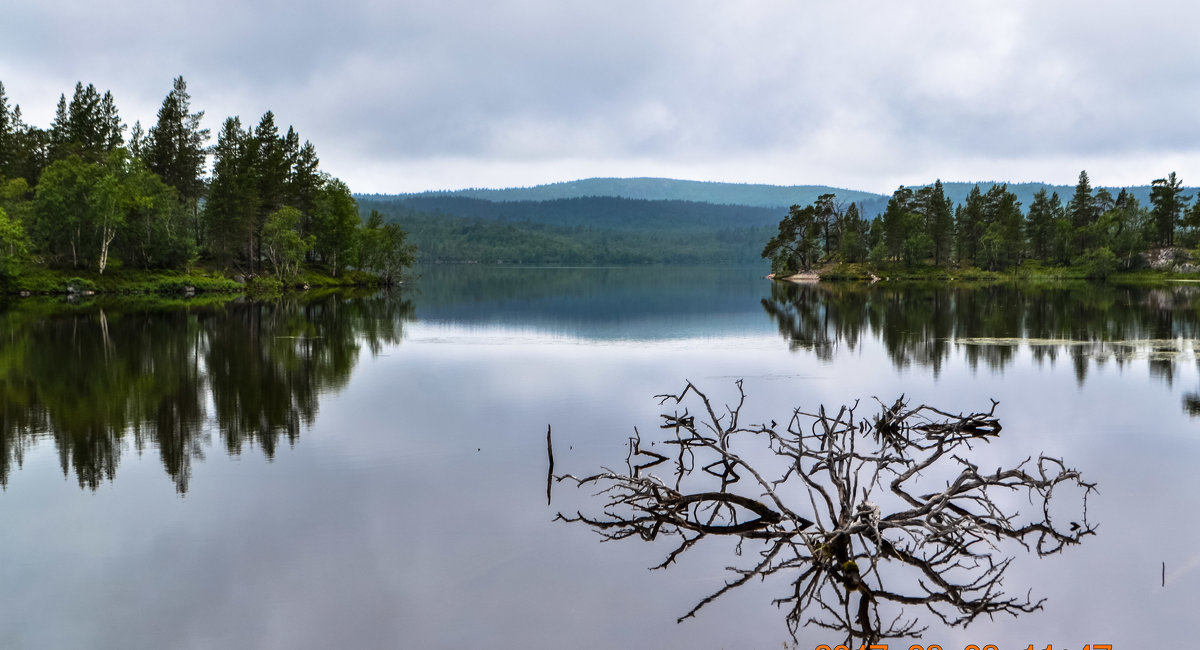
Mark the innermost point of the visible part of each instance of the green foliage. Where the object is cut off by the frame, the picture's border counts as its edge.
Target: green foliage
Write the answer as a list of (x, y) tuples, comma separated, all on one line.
[(80, 284), (1166, 195), (232, 205), (78, 199), (14, 246), (1098, 263), (1043, 213), (878, 255), (1125, 229), (969, 225), (85, 212), (912, 225), (1082, 211), (282, 243), (175, 145), (384, 249), (335, 223), (938, 212), (61, 225), (88, 127), (797, 246), (263, 286)]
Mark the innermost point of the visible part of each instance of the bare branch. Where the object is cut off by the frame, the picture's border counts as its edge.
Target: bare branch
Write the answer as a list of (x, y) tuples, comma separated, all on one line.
[(872, 501)]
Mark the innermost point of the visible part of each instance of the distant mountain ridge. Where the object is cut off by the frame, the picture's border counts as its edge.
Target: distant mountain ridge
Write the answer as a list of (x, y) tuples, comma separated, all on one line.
[(745, 194), (662, 189), (605, 221)]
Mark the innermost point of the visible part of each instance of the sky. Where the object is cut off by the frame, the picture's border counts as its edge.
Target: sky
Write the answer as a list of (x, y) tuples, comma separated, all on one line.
[(412, 95)]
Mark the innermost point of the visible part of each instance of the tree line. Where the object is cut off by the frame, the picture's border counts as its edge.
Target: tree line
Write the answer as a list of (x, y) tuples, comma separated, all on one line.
[(580, 231), (82, 195), (921, 226)]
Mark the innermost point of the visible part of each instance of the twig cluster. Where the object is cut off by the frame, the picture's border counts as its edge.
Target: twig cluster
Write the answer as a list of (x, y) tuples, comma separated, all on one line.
[(893, 512)]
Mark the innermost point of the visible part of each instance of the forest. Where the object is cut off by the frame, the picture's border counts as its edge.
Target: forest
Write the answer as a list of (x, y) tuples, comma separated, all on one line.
[(1093, 231), (82, 196), (577, 231)]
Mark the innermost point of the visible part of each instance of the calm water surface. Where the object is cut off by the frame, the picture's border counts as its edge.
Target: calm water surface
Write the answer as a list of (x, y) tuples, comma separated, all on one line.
[(336, 471)]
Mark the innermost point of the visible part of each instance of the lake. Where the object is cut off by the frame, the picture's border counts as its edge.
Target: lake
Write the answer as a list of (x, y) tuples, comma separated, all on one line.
[(370, 470)]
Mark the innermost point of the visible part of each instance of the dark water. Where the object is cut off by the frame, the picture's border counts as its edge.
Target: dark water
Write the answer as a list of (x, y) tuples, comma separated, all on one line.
[(337, 471)]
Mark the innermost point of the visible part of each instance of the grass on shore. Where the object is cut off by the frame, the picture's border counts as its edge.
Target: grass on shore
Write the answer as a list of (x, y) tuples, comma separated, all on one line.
[(1028, 272), (44, 281)]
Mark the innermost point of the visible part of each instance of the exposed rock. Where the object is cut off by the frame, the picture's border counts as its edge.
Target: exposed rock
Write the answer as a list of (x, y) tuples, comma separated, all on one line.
[(1163, 259), (804, 278)]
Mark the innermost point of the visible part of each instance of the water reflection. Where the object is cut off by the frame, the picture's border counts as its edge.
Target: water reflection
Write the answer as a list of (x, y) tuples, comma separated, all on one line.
[(1084, 324), (633, 303), (869, 518), (98, 378)]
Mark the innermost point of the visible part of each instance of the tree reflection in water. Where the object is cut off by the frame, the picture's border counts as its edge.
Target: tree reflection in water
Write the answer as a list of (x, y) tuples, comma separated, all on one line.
[(1087, 324), (866, 518), (99, 377)]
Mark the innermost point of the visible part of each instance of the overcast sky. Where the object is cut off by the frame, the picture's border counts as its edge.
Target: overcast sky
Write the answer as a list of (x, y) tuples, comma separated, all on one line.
[(442, 94)]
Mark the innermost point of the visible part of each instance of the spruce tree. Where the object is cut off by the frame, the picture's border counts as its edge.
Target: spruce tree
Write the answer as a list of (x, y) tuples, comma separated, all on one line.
[(1168, 201), (969, 225), (232, 206), (1040, 226), (939, 221), (175, 145), (7, 135), (1081, 210)]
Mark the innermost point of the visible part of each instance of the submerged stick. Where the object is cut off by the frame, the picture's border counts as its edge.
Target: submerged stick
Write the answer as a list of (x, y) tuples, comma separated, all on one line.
[(549, 472)]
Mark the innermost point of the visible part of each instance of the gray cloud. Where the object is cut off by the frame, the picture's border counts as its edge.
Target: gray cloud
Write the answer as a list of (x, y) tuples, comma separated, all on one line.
[(524, 91)]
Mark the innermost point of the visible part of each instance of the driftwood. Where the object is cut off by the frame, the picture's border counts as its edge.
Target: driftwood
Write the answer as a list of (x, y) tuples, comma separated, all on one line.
[(891, 515)]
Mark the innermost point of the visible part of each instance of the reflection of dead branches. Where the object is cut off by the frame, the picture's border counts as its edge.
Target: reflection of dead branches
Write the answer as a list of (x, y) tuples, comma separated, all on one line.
[(893, 511)]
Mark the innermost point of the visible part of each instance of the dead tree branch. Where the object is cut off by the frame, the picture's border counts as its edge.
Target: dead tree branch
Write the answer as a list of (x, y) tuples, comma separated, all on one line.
[(895, 514)]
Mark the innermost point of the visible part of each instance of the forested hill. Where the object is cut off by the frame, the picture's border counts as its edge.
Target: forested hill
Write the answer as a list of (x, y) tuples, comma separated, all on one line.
[(588, 212), (741, 194), (584, 230), (629, 220), (664, 189)]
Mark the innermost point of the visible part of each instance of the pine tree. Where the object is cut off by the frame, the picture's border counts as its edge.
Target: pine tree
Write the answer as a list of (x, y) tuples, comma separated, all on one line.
[(7, 135), (232, 206), (898, 220), (1081, 210), (59, 136), (1168, 201), (938, 210), (853, 246), (110, 130), (969, 225), (303, 184), (336, 224), (1003, 243), (175, 145), (175, 150), (137, 141), (1041, 226), (827, 218)]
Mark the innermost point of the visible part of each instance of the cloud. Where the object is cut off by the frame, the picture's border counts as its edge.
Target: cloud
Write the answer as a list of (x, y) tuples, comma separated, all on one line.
[(864, 92)]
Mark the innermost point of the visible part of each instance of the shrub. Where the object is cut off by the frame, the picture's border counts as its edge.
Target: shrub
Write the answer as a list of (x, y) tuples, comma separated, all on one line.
[(1098, 263)]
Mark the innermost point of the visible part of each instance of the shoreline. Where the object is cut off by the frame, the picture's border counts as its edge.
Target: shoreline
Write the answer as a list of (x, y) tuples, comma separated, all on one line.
[(44, 282)]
